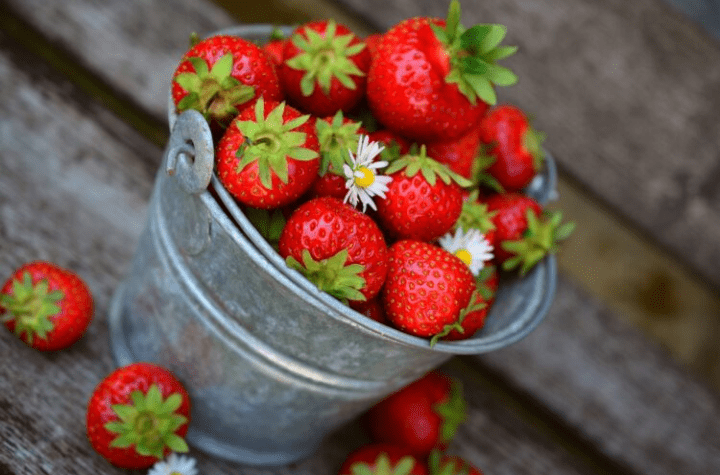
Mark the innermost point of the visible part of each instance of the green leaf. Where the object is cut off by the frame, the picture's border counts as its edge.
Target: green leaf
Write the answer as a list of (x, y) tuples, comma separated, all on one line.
[(502, 76), (483, 88), (222, 67), (493, 37), (188, 81), (176, 443)]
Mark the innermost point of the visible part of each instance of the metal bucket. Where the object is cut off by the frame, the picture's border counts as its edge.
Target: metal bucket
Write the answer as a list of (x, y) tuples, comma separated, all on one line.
[(272, 365)]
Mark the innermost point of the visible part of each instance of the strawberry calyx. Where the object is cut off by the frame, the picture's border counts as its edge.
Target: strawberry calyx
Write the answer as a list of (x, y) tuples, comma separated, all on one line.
[(541, 238), (473, 54), (532, 141), (383, 466), (336, 138), (475, 215), (214, 92), (269, 223), (475, 304), (324, 57), (31, 306), (453, 412), (148, 423), (431, 169), (332, 275), (440, 465), (480, 174), (270, 141)]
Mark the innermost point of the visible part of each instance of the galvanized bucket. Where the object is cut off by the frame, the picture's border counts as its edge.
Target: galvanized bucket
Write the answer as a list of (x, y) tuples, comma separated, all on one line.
[(272, 364)]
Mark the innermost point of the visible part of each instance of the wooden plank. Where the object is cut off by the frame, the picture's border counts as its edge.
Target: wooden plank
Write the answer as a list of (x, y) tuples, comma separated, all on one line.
[(628, 95), (73, 189)]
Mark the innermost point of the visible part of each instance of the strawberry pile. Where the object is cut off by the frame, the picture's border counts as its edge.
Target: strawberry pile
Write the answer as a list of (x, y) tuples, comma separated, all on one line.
[(381, 168)]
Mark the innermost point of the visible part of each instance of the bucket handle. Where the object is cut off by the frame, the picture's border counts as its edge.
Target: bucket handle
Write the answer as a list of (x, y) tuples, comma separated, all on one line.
[(190, 155)]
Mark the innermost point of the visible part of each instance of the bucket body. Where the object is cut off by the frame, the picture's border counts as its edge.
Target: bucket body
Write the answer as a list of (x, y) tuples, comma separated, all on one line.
[(272, 365)]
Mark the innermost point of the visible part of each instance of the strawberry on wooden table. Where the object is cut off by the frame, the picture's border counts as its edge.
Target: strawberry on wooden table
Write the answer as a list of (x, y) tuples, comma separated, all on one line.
[(137, 415), (47, 306), (424, 198), (220, 75), (324, 68), (382, 459), (426, 288), (336, 247), (421, 416), (268, 157), (513, 145), (432, 79)]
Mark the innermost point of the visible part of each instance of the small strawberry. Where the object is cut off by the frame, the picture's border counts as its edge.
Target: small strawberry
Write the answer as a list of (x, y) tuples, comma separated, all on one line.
[(336, 135), (459, 155), (424, 198), (426, 287), (336, 247), (513, 145), (46, 306), (431, 79), (137, 415), (325, 67), (220, 75), (275, 46), (268, 157), (420, 417), (524, 234), (440, 463), (382, 459)]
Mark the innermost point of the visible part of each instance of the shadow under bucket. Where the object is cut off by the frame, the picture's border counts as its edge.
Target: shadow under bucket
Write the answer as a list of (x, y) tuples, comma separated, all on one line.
[(272, 365)]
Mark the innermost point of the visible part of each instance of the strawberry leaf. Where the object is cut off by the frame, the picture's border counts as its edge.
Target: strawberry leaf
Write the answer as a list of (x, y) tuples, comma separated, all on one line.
[(332, 275)]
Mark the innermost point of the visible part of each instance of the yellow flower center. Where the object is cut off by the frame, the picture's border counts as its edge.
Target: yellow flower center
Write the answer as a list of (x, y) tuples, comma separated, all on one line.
[(367, 178), (464, 256)]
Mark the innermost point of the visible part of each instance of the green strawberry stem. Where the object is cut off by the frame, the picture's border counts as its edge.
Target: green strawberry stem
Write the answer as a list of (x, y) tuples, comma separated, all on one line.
[(149, 423), (431, 169), (475, 215), (382, 466), (332, 275), (540, 239), (453, 412), (335, 139), (325, 58), (213, 92), (474, 53), (270, 141), (31, 306), (532, 141), (436, 465), (472, 306)]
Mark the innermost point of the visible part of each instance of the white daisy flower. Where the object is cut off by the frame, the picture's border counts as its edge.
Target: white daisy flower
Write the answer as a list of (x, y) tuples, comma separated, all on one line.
[(174, 464), (363, 181), (471, 247)]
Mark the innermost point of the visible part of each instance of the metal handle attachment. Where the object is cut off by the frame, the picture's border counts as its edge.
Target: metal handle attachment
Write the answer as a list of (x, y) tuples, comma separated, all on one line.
[(190, 156)]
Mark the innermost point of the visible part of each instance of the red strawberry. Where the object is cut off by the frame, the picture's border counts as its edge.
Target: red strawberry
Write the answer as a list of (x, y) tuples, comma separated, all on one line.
[(372, 309), (420, 417), (524, 234), (445, 464), (337, 247), (382, 459), (268, 157), (424, 198), (46, 306), (426, 288), (220, 75), (336, 136), (460, 155), (513, 145), (371, 41), (137, 415), (431, 79), (325, 67), (275, 46)]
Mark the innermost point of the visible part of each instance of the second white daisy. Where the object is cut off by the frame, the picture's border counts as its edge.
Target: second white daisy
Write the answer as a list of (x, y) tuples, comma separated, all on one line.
[(174, 464), (471, 247), (363, 178)]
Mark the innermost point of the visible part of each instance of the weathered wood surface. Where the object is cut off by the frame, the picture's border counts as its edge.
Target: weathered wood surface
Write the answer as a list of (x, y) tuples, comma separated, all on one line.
[(73, 189), (75, 193), (629, 95)]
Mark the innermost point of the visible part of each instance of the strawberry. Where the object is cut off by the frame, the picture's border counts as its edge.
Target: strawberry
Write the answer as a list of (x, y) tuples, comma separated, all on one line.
[(371, 41), (421, 416), (424, 198), (325, 67), (395, 145), (48, 307), (459, 155), (440, 463), (372, 309), (222, 74), (268, 157), (382, 459), (513, 145), (275, 46), (426, 287), (337, 247), (431, 79), (137, 415), (524, 233), (336, 135)]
